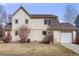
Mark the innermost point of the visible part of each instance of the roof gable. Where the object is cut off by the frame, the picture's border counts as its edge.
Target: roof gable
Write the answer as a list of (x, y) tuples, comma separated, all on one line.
[(20, 9), (35, 15)]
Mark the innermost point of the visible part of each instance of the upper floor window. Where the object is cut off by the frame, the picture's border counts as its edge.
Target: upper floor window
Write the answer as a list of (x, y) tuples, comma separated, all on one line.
[(16, 21), (47, 22), (26, 21)]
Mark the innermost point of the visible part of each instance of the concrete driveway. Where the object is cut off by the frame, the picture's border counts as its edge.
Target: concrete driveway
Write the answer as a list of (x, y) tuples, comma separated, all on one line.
[(73, 47)]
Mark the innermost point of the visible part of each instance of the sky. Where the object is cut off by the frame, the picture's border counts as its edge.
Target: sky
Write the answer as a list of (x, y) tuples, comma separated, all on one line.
[(39, 8)]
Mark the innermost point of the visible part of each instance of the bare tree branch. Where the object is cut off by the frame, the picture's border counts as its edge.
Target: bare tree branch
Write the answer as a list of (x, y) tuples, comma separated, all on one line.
[(70, 13), (2, 15)]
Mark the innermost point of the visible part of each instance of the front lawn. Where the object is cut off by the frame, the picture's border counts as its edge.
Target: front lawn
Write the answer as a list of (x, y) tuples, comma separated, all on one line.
[(34, 49)]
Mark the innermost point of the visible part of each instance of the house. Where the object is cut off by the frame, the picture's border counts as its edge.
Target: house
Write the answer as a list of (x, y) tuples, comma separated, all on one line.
[(41, 25), (1, 32), (77, 29), (8, 28)]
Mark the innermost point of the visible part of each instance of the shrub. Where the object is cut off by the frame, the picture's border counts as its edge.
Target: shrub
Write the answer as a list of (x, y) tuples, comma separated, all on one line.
[(28, 41), (22, 40), (47, 39)]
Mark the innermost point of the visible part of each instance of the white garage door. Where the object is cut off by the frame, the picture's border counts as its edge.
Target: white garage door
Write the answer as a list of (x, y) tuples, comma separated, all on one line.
[(66, 37)]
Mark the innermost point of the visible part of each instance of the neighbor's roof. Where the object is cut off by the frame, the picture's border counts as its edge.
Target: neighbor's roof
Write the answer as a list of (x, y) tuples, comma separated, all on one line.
[(77, 18), (8, 27), (35, 15)]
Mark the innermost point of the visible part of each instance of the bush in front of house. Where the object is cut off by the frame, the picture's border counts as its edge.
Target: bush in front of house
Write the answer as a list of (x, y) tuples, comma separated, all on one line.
[(47, 39), (28, 41)]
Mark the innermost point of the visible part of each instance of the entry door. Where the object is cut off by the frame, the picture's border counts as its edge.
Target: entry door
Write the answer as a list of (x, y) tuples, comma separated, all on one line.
[(66, 37)]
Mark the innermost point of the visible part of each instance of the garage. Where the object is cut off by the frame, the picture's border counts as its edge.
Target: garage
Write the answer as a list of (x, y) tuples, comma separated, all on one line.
[(66, 37), (64, 33)]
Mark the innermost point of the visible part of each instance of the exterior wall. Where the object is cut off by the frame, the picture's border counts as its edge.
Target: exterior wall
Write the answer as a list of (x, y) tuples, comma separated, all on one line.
[(56, 36), (21, 16), (74, 36), (36, 35), (14, 37), (36, 26)]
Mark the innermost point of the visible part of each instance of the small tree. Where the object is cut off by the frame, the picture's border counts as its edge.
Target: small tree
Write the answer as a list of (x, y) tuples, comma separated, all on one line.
[(70, 13), (47, 39), (23, 33)]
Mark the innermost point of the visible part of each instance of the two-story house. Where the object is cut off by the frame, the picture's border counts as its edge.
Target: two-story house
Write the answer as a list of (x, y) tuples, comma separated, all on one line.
[(41, 25)]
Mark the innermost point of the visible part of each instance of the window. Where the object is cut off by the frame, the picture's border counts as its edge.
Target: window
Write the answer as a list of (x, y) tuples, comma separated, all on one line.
[(47, 22), (26, 21), (44, 33), (16, 21), (16, 32)]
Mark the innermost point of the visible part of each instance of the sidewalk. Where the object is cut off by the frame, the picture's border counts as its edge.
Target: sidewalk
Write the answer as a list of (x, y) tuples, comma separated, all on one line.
[(73, 47)]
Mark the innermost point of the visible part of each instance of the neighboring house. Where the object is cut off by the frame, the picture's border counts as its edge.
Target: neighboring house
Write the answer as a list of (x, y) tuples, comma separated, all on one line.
[(77, 29), (8, 28), (41, 25), (1, 32)]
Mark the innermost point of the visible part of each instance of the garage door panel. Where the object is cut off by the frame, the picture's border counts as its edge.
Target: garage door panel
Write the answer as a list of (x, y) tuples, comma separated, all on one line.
[(66, 37)]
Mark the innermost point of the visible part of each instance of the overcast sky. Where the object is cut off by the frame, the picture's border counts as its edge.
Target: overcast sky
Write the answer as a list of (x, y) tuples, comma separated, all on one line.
[(39, 8)]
